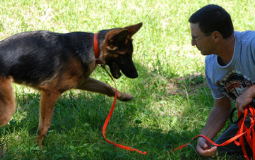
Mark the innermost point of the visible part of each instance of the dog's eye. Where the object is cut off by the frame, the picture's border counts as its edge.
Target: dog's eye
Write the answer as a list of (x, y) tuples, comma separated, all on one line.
[(122, 49)]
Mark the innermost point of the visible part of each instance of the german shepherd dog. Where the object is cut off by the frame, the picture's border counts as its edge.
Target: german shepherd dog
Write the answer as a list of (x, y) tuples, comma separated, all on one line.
[(54, 63)]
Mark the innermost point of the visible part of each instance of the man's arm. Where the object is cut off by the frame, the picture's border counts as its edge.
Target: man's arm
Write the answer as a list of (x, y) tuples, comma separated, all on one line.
[(215, 122)]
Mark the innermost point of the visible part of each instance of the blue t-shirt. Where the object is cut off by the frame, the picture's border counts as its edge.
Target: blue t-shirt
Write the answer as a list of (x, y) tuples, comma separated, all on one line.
[(234, 78)]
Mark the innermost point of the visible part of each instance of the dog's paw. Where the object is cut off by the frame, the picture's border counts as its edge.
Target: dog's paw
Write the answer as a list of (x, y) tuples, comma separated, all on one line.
[(125, 97)]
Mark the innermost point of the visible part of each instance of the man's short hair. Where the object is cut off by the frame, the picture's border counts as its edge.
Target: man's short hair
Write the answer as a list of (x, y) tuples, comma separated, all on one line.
[(212, 18)]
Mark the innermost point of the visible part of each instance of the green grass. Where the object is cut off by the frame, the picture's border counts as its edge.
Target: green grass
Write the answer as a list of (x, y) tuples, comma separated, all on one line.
[(170, 106)]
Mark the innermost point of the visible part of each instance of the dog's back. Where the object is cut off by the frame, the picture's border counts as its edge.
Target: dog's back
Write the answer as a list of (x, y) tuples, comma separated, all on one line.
[(33, 57)]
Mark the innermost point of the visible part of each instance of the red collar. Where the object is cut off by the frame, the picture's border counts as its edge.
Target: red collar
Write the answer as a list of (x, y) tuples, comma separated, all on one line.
[(96, 49)]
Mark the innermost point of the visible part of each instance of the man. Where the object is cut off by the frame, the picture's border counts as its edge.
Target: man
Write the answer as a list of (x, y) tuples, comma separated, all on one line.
[(230, 72)]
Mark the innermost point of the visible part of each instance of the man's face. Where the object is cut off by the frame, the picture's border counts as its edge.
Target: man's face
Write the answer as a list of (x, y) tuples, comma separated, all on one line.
[(203, 41)]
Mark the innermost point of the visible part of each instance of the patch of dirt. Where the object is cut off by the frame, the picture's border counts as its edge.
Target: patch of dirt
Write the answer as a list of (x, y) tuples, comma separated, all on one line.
[(186, 85)]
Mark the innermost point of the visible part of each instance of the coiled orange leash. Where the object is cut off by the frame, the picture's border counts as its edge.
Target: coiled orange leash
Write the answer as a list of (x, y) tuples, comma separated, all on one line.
[(243, 131)]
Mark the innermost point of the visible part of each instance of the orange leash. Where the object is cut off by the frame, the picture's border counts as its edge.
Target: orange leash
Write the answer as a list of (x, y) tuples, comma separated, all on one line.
[(108, 119), (243, 130), (105, 125)]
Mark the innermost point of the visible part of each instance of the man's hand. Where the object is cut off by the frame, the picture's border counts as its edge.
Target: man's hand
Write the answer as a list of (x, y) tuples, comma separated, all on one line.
[(204, 147), (245, 98), (215, 122)]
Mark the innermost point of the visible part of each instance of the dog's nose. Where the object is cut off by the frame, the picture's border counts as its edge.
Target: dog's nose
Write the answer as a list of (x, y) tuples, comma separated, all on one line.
[(134, 75)]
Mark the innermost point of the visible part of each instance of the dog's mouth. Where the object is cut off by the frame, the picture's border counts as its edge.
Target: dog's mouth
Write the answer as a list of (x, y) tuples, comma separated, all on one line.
[(115, 70)]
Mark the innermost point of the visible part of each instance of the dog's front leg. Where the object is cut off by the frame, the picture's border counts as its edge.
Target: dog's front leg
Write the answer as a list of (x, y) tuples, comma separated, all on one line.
[(48, 100), (94, 85)]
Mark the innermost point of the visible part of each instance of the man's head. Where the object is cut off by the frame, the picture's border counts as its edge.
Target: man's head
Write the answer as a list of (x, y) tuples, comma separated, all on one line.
[(210, 25), (212, 18)]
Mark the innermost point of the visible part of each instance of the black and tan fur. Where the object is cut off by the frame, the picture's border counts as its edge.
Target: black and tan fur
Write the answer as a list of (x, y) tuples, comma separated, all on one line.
[(54, 63)]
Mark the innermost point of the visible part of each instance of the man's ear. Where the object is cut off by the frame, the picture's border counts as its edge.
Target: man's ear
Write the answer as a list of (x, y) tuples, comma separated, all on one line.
[(116, 38), (216, 36)]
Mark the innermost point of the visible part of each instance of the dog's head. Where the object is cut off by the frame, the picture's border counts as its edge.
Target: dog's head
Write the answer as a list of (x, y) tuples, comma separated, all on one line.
[(118, 50)]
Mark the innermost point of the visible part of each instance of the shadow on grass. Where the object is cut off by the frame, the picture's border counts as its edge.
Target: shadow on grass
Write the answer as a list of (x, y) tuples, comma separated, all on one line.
[(76, 129)]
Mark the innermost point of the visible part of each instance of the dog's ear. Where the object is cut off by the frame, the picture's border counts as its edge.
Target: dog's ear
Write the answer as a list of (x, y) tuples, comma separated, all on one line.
[(134, 28), (116, 38)]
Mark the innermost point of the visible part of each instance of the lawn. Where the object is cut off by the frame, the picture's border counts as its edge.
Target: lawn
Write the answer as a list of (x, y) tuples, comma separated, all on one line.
[(171, 97)]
